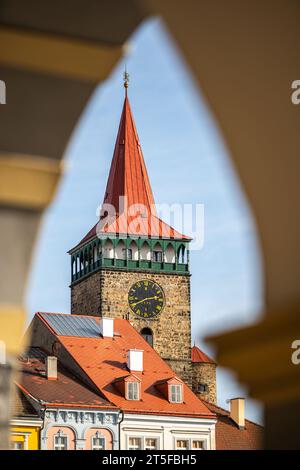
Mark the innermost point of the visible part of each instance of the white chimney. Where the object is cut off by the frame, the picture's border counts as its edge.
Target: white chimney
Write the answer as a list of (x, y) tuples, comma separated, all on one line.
[(107, 327), (237, 411), (51, 367), (135, 360)]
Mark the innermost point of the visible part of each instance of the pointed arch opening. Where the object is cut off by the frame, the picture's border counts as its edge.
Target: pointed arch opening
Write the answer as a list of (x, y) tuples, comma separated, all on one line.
[(170, 254), (157, 253), (145, 252), (133, 251)]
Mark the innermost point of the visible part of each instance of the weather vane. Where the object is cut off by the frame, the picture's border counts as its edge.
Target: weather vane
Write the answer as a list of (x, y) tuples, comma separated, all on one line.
[(126, 78)]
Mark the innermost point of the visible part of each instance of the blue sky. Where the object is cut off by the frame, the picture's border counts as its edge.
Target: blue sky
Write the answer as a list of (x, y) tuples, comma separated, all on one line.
[(187, 163)]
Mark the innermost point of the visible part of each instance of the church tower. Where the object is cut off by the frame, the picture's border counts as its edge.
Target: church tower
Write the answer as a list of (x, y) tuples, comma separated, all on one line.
[(132, 264)]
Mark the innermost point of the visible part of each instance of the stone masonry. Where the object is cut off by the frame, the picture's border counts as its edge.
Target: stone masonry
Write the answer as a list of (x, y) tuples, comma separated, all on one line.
[(205, 373)]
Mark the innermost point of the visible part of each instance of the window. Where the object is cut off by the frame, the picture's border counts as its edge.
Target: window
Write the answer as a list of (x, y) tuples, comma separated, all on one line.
[(129, 253), (157, 256), (60, 441), (147, 335), (176, 393), (182, 444), (135, 443), (202, 388), (151, 443), (98, 442), (197, 445), (133, 389), (17, 445)]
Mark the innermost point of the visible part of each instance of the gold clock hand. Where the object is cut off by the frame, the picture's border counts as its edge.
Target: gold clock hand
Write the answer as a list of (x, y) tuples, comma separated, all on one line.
[(143, 300)]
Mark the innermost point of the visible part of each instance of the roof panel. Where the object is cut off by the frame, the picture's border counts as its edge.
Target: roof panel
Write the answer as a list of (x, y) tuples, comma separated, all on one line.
[(73, 325)]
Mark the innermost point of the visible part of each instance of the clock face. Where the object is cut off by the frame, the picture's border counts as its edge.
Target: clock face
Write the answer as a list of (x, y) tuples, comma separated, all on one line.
[(146, 299)]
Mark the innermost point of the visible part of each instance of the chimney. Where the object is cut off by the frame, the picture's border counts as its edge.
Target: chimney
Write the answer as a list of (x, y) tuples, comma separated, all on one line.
[(51, 367), (107, 327), (237, 411), (135, 360)]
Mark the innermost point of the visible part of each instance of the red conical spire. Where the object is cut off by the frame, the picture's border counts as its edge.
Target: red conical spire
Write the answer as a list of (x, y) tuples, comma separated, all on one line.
[(128, 175), (128, 187)]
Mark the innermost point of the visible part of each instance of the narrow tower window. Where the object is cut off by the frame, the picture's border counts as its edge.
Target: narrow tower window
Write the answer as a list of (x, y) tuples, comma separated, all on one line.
[(147, 335)]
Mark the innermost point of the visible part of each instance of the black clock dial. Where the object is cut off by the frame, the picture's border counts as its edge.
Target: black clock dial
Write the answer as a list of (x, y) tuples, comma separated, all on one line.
[(146, 299)]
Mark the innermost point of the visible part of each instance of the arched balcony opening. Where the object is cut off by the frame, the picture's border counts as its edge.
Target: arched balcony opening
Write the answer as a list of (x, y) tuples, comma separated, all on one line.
[(120, 251), (134, 251), (157, 253), (170, 254), (108, 249), (181, 254), (145, 252)]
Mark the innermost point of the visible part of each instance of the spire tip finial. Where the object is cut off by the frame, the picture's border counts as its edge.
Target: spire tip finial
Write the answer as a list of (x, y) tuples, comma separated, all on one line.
[(126, 78)]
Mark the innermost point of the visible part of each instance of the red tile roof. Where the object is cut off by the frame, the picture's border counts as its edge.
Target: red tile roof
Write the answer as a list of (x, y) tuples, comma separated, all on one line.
[(230, 437), (200, 356), (65, 391), (104, 360), (128, 178)]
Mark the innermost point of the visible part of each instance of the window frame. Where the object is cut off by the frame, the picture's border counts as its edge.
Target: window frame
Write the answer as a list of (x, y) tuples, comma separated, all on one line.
[(156, 254), (205, 386), (98, 435), (60, 434), (25, 435), (138, 391), (190, 441), (177, 387), (129, 447), (149, 447), (143, 439)]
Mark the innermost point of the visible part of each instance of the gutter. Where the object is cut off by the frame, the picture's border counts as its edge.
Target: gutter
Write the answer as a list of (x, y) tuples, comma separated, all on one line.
[(119, 423)]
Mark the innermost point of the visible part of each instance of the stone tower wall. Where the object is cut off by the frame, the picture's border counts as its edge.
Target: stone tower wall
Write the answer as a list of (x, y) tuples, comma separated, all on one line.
[(205, 373)]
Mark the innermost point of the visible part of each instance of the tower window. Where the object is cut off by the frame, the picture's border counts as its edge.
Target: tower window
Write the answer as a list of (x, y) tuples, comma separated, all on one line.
[(202, 388), (127, 251), (147, 335), (175, 393), (157, 256)]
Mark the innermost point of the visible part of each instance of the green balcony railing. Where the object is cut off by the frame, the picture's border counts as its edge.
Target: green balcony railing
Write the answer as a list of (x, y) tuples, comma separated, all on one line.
[(131, 264)]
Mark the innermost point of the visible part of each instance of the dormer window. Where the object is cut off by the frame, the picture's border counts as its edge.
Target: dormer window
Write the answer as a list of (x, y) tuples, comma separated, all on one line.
[(175, 393), (133, 391)]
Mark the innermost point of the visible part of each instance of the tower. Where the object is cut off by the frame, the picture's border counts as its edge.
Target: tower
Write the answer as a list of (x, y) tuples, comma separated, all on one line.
[(132, 264)]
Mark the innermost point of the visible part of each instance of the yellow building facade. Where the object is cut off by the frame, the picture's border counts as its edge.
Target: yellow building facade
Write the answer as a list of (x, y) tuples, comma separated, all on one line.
[(26, 435)]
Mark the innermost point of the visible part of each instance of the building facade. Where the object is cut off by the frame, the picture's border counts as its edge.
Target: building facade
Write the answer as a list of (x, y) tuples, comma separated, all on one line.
[(134, 265), (71, 415), (112, 367)]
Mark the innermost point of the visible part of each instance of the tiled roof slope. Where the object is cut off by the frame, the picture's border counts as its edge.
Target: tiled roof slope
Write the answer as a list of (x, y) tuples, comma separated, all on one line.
[(200, 356), (230, 437), (128, 177), (65, 391), (21, 407), (104, 360)]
